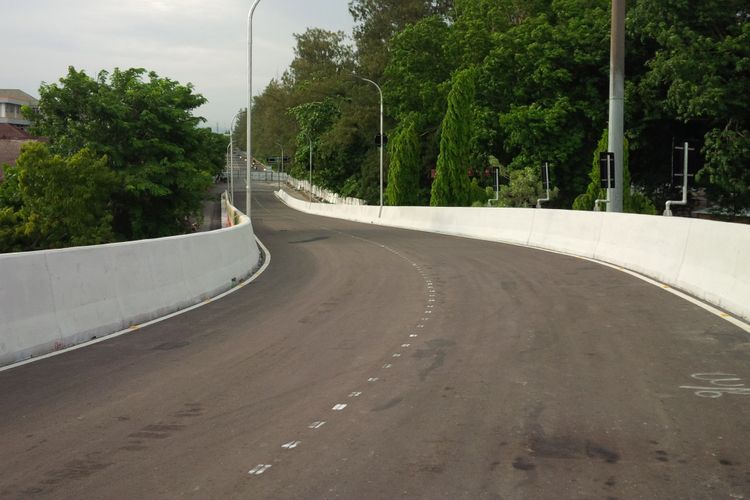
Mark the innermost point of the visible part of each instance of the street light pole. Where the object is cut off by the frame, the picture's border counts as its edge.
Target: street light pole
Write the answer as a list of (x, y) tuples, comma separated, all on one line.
[(616, 126), (310, 139), (381, 139), (282, 162), (231, 157), (249, 103)]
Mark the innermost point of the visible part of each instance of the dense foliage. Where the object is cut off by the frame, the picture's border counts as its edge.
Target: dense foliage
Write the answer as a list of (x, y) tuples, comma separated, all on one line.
[(125, 159), (540, 94)]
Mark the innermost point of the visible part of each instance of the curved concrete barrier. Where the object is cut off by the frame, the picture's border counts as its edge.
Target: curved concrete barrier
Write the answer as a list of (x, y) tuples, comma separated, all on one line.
[(706, 259), (53, 299)]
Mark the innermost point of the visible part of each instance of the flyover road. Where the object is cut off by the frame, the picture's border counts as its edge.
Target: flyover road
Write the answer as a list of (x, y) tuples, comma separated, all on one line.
[(370, 362)]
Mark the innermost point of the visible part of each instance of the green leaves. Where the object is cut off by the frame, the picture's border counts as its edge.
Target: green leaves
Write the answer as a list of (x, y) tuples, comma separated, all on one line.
[(60, 201), (144, 124), (405, 165), (452, 186)]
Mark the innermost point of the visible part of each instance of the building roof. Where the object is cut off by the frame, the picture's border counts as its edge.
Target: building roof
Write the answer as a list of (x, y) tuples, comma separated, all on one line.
[(18, 96), (8, 131)]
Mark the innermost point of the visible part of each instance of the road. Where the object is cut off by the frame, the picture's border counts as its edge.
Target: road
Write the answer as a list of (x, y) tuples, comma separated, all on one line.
[(376, 363)]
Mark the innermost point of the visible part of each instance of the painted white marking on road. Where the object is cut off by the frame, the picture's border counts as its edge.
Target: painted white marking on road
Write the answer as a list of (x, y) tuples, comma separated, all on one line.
[(722, 383), (387, 365), (428, 312), (291, 445), (355, 394), (405, 345), (373, 379), (420, 326), (259, 469), (396, 355), (425, 319), (430, 307), (413, 335), (339, 407), (431, 300), (316, 425)]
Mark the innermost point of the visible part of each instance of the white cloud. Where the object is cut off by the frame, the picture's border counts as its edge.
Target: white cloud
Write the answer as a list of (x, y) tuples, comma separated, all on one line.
[(187, 40)]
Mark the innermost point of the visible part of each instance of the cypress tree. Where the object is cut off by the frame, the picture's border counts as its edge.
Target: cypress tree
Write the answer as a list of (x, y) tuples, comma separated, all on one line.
[(403, 172), (452, 186)]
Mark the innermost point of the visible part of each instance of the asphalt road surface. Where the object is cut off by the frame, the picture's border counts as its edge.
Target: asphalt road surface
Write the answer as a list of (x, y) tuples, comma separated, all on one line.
[(376, 363)]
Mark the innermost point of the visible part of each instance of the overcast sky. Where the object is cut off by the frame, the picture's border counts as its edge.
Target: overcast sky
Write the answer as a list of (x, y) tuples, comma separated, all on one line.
[(197, 41)]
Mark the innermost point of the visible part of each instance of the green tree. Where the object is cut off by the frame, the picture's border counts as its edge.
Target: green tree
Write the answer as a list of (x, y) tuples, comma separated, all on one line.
[(405, 165), (452, 186), (377, 21), (523, 189), (51, 201), (632, 202), (145, 126), (696, 80)]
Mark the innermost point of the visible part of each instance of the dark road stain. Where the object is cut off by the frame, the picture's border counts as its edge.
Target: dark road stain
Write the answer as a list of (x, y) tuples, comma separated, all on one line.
[(611, 482), (309, 240), (149, 435), (191, 410), (662, 456), (521, 463), (724, 461), (157, 431), (605, 454), (387, 406), (167, 346), (75, 469), (434, 351), (133, 447), (570, 447)]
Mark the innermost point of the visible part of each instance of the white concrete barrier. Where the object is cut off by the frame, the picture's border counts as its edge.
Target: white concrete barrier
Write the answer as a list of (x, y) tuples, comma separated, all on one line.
[(53, 299), (707, 259)]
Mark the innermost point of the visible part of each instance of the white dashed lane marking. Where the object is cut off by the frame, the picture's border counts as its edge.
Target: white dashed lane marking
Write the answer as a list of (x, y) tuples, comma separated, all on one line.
[(291, 445), (387, 365), (406, 345), (355, 394), (373, 379), (397, 355), (339, 407), (316, 425), (259, 469)]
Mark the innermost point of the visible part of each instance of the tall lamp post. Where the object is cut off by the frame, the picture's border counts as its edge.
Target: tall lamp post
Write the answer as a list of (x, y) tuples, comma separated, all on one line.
[(249, 103), (381, 139), (309, 138), (616, 102), (282, 162), (231, 157)]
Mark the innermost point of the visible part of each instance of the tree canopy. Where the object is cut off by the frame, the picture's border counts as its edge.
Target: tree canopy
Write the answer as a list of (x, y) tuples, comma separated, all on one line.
[(144, 125), (540, 92), (124, 159)]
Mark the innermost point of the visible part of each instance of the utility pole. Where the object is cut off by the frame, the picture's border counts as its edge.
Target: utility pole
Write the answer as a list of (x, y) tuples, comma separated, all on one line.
[(616, 102)]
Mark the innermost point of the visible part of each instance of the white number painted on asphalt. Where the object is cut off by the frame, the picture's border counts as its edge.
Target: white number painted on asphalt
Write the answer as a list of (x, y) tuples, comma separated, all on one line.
[(373, 379), (259, 469), (291, 445), (316, 425), (355, 394), (339, 407), (722, 383)]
